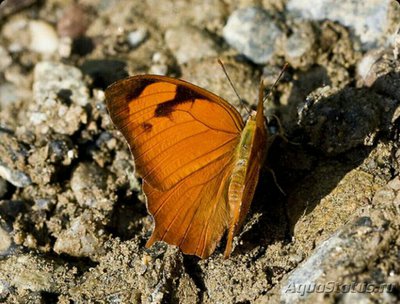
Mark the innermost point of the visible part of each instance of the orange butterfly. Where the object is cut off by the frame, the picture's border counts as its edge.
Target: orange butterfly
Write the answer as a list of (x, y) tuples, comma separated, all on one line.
[(198, 160)]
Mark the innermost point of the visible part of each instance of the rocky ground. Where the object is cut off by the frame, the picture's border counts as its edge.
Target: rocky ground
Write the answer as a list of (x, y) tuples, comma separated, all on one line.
[(73, 221)]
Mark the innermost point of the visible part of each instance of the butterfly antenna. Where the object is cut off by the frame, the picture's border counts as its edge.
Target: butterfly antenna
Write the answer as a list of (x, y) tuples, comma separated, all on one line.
[(276, 81), (231, 83)]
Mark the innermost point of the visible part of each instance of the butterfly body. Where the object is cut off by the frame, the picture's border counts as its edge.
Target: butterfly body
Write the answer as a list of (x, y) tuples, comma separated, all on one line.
[(198, 161)]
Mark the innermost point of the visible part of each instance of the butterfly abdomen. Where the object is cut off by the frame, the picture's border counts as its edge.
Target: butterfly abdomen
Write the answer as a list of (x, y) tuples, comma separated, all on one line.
[(237, 187)]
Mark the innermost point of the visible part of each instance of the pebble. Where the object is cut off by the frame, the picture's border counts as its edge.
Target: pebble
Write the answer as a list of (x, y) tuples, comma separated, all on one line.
[(332, 257), (366, 71), (51, 77), (89, 184), (137, 37), (336, 121), (74, 21), (159, 64), (368, 19), (17, 178), (299, 47), (79, 240), (61, 151), (189, 43), (253, 33), (44, 39), (15, 30), (13, 156), (59, 95), (43, 204)]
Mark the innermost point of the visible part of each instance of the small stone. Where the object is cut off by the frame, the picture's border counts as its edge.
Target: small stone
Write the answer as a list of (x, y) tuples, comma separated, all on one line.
[(360, 16), (51, 77), (73, 22), (15, 30), (65, 47), (44, 39), (61, 151), (395, 184), (137, 37), (17, 178), (368, 69), (59, 94), (158, 69), (338, 120), (89, 184), (79, 239), (43, 204), (189, 43), (13, 158), (299, 47), (159, 64), (252, 32)]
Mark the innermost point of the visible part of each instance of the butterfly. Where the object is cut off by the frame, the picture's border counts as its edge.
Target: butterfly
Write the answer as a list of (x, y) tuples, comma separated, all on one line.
[(198, 160)]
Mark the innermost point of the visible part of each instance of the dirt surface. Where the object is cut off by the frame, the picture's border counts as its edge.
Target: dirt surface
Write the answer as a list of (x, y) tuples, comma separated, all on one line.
[(73, 220)]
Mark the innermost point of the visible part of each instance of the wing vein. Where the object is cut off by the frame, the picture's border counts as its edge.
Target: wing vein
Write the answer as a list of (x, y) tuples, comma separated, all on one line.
[(192, 160), (177, 142), (200, 184)]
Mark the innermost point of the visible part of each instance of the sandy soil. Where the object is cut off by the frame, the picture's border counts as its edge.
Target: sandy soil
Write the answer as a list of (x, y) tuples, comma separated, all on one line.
[(73, 221)]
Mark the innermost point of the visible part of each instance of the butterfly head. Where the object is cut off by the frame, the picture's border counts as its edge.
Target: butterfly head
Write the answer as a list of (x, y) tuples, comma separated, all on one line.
[(253, 115)]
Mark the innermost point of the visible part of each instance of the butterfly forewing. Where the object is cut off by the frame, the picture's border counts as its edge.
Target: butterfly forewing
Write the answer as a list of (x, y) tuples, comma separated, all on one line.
[(172, 127), (183, 139)]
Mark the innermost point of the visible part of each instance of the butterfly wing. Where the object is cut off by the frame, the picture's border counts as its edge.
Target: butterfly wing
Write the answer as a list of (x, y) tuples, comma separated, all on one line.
[(182, 138), (195, 213)]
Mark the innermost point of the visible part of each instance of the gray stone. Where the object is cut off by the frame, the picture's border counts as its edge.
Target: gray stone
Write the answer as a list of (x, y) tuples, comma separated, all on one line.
[(17, 178), (325, 268), (299, 47), (252, 32), (137, 37), (59, 96), (189, 43), (80, 239), (13, 156), (89, 184), (368, 19), (338, 120)]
